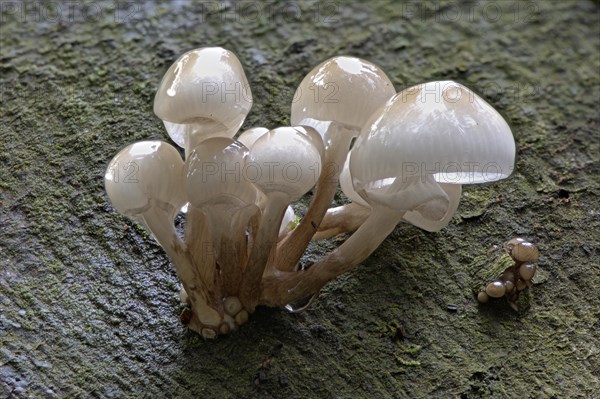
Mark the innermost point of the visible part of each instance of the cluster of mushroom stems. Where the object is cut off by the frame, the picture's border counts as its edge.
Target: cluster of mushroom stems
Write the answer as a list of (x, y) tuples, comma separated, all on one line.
[(398, 157), (516, 277)]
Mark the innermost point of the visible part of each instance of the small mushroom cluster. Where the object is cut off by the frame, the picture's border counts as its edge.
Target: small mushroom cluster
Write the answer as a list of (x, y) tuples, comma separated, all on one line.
[(516, 277), (397, 156)]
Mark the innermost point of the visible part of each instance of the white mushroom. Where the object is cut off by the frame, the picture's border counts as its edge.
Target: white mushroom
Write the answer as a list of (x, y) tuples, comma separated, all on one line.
[(204, 94), (248, 138), (282, 164), (344, 90), (144, 181), (214, 174), (336, 98), (439, 131), (215, 185), (436, 132)]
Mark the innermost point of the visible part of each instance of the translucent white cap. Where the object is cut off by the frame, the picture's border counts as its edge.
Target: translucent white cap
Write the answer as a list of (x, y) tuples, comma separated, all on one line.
[(144, 171), (249, 137), (286, 160), (205, 90), (343, 89), (441, 129), (214, 174), (426, 217)]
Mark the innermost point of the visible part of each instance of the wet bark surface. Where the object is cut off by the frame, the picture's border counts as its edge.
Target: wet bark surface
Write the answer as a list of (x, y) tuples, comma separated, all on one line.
[(88, 301)]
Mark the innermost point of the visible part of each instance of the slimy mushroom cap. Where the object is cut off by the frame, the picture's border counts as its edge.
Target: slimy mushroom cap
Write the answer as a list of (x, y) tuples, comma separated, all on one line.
[(204, 92)]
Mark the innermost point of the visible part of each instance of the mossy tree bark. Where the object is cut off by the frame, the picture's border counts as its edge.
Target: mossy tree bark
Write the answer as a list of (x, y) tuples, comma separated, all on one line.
[(88, 302)]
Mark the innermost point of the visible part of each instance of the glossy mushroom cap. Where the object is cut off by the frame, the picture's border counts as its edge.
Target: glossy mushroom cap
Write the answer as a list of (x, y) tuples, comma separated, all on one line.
[(286, 160), (249, 137), (214, 174), (142, 172), (204, 89), (421, 218), (441, 129), (343, 89), (428, 218), (346, 184)]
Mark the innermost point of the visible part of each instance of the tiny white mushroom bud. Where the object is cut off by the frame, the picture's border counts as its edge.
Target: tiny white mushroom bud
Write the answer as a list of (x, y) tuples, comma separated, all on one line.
[(208, 333), (224, 329)]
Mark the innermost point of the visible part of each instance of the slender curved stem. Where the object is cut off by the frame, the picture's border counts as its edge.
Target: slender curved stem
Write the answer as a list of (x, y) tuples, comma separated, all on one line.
[(199, 130), (203, 254), (291, 248), (266, 239), (200, 245), (223, 246), (160, 224), (342, 219), (233, 248), (285, 287)]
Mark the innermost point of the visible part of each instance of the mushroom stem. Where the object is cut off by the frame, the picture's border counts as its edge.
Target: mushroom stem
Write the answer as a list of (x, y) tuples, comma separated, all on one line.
[(264, 243), (291, 248), (195, 131), (220, 220), (202, 252), (285, 287), (159, 222), (342, 219), (233, 251)]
